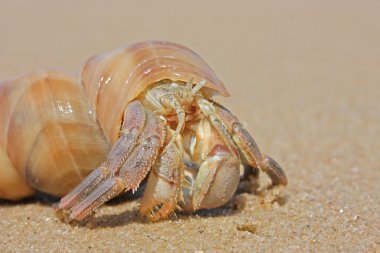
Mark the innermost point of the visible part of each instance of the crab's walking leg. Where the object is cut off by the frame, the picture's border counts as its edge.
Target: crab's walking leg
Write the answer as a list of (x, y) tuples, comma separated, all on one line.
[(248, 147), (106, 190), (117, 155), (134, 121), (128, 163), (138, 165), (163, 189)]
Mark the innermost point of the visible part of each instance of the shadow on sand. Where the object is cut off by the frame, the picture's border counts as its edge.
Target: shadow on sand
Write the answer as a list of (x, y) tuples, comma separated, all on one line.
[(235, 205)]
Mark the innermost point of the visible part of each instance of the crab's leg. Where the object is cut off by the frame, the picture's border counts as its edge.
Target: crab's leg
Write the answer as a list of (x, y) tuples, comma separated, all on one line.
[(209, 111), (134, 121), (248, 147), (137, 165), (163, 189), (119, 152), (130, 170), (106, 190)]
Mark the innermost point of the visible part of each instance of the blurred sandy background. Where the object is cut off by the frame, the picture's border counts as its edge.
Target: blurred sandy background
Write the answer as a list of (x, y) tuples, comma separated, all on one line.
[(304, 75)]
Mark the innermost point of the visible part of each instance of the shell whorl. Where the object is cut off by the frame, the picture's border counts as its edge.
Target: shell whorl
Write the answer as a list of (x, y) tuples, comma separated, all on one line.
[(48, 135), (114, 79)]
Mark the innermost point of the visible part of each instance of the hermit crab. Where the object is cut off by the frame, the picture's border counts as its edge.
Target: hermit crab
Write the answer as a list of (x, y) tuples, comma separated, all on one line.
[(146, 111)]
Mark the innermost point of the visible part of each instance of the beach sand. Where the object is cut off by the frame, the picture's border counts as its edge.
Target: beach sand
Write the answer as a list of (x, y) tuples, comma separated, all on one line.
[(303, 75)]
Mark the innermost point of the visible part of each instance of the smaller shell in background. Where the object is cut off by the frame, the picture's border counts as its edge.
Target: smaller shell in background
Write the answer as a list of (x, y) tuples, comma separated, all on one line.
[(48, 135)]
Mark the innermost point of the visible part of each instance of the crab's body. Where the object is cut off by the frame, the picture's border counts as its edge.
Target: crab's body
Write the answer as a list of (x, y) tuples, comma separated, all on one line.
[(153, 103)]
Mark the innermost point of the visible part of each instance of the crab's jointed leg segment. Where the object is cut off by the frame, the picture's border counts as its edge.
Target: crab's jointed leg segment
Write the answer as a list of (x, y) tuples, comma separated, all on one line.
[(84, 188), (251, 154), (128, 163), (105, 191), (134, 121), (139, 163), (209, 110)]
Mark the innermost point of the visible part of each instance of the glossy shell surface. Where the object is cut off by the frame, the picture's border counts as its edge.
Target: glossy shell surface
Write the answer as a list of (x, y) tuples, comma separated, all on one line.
[(49, 137)]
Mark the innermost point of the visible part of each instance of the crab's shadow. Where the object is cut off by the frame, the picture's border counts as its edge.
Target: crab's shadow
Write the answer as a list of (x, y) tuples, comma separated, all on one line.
[(236, 205), (129, 216)]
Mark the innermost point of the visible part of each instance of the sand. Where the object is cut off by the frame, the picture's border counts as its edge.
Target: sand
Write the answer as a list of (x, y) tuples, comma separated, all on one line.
[(305, 78)]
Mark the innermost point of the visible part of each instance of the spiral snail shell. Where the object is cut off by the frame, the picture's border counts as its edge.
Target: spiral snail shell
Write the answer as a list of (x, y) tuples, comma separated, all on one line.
[(49, 137)]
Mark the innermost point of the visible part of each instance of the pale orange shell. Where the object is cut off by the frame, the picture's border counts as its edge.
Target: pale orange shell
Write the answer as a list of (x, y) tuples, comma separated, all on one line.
[(112, 80), (49, 138)]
